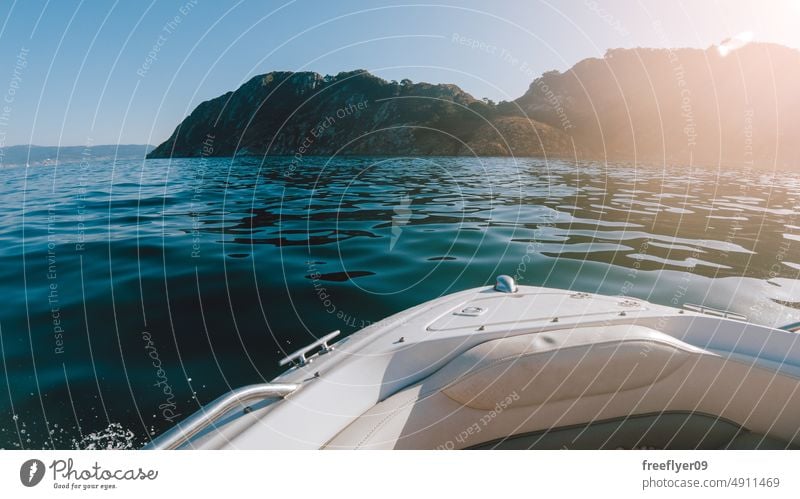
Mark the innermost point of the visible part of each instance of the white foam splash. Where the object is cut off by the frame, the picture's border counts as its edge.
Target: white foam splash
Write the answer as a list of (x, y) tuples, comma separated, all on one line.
[(113, 437)]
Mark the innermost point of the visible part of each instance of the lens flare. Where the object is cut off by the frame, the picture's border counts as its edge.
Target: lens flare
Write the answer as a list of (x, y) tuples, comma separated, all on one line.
[(729, 45)]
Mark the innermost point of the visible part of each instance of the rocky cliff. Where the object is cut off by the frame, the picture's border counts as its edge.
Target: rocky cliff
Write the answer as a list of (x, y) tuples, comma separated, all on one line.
[(302, 114), (678, 105), (634, 104)]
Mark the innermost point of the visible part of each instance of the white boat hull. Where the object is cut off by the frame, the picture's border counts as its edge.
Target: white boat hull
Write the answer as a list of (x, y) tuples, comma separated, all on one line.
[(536, 368)]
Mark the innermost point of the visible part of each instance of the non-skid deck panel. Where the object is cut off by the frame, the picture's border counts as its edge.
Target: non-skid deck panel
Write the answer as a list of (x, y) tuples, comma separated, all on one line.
[(523, 308)]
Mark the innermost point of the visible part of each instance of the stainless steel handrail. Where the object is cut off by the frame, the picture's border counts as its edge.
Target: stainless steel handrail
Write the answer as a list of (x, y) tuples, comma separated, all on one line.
[(202, 419)]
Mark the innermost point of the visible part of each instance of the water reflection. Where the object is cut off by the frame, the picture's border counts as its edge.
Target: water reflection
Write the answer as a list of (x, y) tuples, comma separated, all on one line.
[(228, 265)]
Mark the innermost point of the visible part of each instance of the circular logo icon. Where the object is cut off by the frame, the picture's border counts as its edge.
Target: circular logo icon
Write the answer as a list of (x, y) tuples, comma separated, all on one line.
[(31, 472)]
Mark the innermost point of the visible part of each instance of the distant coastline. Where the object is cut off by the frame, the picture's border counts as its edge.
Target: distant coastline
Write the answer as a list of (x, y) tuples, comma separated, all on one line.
[(33, 155)]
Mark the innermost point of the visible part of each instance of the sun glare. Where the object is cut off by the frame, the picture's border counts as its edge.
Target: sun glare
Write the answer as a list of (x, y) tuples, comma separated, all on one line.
[(736, 42)]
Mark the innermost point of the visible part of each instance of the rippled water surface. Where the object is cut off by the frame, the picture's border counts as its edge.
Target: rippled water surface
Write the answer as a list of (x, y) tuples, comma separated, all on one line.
[(133, 292)]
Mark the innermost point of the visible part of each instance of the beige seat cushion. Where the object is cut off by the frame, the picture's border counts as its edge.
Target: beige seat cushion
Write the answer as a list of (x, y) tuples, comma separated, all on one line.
[(510, 385)]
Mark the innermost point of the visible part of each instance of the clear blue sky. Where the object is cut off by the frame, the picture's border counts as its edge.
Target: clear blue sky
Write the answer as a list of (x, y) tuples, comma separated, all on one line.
[(73, 69)]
